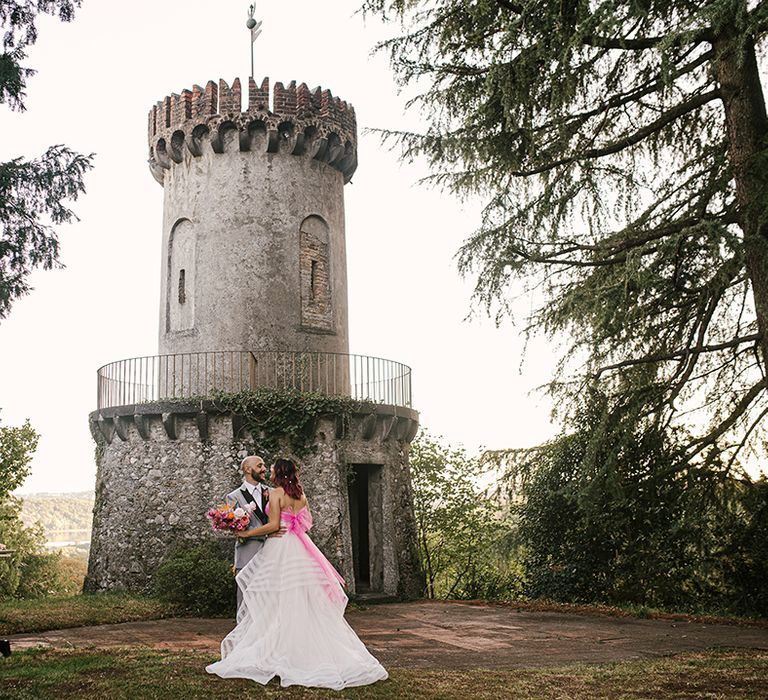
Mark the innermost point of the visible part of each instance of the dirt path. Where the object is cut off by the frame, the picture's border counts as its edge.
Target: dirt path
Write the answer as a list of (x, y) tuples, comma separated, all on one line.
[(449, 635)]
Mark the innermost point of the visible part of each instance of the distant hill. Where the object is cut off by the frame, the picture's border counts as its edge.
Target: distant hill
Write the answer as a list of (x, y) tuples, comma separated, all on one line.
[(64, 516)]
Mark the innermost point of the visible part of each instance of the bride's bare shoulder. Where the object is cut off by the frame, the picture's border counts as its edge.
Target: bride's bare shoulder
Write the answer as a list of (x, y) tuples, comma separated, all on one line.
[(277, 493)]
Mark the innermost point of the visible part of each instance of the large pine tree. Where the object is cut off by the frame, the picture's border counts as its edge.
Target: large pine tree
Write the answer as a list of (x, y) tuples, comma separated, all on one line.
[(621, 149)]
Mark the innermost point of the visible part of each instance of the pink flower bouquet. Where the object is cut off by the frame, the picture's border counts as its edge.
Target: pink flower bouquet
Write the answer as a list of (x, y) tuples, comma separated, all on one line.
[(225, 518)]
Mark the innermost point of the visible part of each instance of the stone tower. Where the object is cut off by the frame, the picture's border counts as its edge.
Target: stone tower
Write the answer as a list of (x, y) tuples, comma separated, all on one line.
[(253, 217), (253, 295)]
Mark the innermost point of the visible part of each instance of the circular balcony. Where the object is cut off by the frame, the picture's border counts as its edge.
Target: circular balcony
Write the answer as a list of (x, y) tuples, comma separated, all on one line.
[(199, 375)]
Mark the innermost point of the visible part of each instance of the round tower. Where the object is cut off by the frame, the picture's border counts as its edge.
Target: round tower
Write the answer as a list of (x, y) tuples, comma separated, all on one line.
[(253, 296), (253, 249)]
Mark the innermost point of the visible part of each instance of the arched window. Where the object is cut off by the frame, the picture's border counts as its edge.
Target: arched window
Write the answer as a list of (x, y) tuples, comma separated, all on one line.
[(314, 263), (180, 291)]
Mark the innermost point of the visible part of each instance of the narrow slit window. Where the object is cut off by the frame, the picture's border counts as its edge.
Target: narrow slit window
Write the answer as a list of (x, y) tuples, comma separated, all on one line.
[(180, 290), (313, 281), (315, 276)]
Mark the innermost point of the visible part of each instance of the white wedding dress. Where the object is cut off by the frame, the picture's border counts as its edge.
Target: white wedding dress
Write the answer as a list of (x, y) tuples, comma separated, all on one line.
[(291, 622)]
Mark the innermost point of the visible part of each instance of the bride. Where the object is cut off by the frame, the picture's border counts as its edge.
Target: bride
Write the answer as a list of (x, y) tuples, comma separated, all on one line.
[(291, 622)]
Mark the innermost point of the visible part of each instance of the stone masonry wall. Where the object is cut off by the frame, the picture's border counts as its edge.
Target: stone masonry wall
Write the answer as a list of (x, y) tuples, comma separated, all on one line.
[(152, 492)]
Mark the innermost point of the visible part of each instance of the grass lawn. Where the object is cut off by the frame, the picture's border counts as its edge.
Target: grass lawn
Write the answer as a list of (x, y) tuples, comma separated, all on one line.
[(137, 673), (40, 614)]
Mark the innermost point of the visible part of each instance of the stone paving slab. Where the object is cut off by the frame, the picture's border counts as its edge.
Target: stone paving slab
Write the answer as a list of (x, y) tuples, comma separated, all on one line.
[(443, 634)]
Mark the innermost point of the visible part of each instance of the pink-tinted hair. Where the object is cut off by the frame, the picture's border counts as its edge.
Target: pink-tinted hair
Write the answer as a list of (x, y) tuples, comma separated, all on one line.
[(287, 477)]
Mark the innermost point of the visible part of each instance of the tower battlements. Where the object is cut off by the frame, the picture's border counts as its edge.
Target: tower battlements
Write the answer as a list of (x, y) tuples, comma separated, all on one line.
[(298, 121)]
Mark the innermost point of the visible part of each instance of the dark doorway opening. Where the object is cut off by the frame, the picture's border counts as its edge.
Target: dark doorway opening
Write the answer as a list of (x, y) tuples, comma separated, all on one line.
[(366, 524)]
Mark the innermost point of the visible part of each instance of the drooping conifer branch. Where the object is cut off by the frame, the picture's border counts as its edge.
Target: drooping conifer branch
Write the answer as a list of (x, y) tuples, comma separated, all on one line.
[(687, 352), (627, 140)]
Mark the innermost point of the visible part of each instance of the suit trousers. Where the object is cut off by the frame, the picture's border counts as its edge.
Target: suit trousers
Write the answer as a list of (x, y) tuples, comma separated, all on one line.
[(239, 592)]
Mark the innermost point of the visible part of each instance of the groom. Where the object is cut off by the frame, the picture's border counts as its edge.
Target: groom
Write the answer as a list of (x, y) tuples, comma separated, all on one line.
[(253, 494)]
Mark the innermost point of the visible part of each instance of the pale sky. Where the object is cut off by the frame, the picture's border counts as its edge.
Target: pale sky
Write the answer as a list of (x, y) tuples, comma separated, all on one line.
[(97, 78)]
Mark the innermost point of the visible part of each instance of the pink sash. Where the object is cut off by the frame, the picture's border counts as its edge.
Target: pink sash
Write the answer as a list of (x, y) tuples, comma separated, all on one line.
[(298, 524)]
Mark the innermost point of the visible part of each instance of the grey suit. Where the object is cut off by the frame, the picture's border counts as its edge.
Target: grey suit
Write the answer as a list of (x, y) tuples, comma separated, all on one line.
[(246, 550)]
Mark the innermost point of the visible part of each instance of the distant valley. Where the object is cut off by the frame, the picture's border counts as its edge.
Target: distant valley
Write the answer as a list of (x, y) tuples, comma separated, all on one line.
[(65, 517)]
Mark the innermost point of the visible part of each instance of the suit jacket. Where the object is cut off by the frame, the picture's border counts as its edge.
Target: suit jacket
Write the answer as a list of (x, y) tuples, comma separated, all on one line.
[(246, 550)]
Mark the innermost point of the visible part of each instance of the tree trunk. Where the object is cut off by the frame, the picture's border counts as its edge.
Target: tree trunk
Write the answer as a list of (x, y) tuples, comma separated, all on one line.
[(736, 71)]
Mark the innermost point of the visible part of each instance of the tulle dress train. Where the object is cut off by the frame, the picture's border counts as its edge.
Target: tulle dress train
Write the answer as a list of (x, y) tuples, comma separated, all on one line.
[(291, 622)]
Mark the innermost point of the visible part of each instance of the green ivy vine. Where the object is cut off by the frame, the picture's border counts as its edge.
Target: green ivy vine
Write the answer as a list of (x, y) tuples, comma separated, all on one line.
[(276, 416)]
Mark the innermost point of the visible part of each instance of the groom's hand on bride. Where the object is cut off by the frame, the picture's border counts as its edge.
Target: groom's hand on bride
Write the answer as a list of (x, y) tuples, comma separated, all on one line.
[(279, 533)]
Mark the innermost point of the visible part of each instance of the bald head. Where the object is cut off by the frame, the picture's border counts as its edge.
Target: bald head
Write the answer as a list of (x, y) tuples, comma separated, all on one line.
[(253, 469)]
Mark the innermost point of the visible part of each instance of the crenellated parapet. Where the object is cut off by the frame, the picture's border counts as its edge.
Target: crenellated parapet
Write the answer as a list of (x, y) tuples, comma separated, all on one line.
[(298, 121)]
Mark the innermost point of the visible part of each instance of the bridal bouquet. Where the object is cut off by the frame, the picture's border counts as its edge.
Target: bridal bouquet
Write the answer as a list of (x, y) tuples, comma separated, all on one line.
[(225, 518)]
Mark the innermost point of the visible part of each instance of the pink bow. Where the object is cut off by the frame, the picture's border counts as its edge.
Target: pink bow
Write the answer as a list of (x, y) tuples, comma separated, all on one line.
[(298, 524)]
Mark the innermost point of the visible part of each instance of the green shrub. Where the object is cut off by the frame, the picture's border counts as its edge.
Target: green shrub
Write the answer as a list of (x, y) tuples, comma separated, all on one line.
[(743, 530), (640, 526), (30, 571), (41, 575), (619, 527), (198, 579), (463, 535), (72, 572)]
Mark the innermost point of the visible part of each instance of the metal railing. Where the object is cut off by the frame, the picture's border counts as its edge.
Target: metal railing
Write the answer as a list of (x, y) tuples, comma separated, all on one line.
[(200, 374)]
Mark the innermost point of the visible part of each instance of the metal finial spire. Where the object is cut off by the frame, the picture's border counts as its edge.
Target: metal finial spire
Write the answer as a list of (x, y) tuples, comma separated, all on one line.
[(255, 28)]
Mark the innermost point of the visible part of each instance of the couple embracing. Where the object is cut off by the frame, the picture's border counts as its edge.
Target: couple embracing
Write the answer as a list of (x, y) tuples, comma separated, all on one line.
[(290, 613)]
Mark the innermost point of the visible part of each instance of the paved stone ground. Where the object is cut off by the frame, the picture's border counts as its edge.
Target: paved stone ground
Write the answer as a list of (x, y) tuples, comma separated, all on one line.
[(452, 635)]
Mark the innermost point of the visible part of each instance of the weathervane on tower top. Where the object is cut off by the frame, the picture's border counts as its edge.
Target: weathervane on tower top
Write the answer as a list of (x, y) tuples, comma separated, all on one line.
[(255, 27)]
